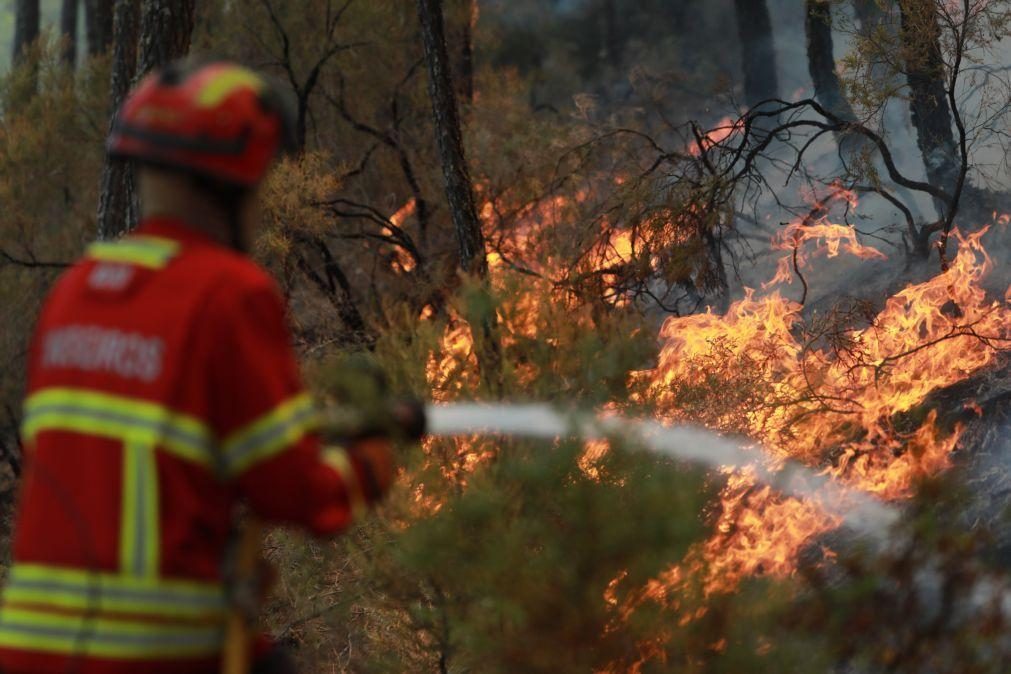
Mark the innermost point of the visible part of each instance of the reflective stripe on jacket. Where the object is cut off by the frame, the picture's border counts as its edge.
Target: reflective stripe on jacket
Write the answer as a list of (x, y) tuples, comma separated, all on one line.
[(162, 390)]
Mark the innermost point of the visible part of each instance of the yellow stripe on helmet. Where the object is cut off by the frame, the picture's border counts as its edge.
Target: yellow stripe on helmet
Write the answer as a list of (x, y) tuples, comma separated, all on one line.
[(225, 83)]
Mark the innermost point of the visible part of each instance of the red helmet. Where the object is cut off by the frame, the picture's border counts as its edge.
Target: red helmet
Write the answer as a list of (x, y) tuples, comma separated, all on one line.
[(220, 121)]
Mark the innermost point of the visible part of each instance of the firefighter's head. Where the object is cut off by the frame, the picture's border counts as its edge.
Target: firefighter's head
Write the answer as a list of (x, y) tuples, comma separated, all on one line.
[(203, 137)]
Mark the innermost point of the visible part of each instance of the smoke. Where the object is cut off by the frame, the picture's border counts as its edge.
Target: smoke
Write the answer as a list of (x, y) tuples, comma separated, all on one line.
[(881, 225)]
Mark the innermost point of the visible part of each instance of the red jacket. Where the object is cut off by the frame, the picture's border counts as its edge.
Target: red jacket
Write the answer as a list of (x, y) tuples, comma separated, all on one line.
[(162, 390)]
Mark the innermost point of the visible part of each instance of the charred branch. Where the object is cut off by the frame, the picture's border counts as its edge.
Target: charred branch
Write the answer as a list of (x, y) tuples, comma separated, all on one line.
[(30, 262), (345, 208), (336, 287), (304, 88), (391, 139), (735, 160)]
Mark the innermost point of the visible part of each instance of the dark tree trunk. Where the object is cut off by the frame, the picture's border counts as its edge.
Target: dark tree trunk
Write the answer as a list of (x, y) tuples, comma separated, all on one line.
[(165, 31), (160, 34), (821, 60), (98, 25), (459, 191), (467, 52), (26, 27), (821, 64), (116, 199), (925, 74), (758, 51), (68, 30)]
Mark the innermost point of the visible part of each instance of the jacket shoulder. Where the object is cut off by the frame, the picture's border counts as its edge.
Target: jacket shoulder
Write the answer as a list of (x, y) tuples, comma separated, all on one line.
[(226, 273)]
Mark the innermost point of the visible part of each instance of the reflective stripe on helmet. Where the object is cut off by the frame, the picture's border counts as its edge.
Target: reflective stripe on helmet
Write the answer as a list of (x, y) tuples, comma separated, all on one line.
[(283, 426), (108, 593), (121, 418), (87, 635), (144, 251), (227, 81)]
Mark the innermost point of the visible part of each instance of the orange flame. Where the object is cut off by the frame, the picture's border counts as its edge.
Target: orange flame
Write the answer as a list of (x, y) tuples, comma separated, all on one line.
[(724, 128), (829, 396), (813, 399), (402, 260)]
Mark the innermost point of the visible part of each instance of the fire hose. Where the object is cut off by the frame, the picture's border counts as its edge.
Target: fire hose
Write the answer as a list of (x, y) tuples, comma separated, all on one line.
[(862, 513)]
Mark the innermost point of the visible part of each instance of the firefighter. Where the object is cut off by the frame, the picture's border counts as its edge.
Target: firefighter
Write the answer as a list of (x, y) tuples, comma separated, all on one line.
[(162, 392)]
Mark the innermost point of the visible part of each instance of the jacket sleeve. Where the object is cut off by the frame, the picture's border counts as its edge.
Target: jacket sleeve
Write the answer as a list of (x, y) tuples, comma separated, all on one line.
[(265, 420)]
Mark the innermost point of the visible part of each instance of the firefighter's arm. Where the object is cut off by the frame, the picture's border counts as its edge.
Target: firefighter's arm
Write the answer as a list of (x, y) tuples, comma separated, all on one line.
[(267, 424)]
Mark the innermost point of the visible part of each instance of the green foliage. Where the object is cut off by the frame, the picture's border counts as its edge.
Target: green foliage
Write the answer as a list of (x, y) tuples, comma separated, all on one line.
[(51, 136), (517, 567)]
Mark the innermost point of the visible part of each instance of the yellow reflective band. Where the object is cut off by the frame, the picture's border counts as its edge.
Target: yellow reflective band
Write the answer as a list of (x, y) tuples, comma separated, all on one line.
[(338, 459), (277, 430), (144, 251), (85, 635), (104, 592), (226, 83), (139, 530), (120, 418)]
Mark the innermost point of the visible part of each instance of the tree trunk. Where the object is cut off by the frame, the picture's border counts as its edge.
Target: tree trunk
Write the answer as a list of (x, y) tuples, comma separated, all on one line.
[(98, 25), (26, 27), (165, 32), (928, 105), (467, 52), (116, 199), (459, 191), (821, 60), (821, 64), (158, 36), (68, 30), (758, 51)]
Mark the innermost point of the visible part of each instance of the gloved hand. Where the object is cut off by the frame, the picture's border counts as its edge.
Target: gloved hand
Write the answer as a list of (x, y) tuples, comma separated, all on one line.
[(409, 419), (359, 404)]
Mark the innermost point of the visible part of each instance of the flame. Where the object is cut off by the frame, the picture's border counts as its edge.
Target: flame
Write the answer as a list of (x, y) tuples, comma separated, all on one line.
[(724, 128), (812, 399), (842, 393), (402, 260), (830, 239)]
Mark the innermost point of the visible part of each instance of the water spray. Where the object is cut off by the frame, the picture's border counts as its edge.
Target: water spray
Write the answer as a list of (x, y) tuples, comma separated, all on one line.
[(861, 512)]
